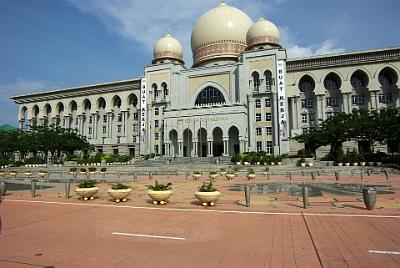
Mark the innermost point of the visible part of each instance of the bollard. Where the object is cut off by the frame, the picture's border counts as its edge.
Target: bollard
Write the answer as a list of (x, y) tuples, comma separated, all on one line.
[(313, 176), (302, 173), (67, 187), (318, 173), (361, 175), (352, 173), (369, 197), (305, 196), (134, 176), (290, 176), (33, 188), (247, 195), (167, 175), (337, 176), (3, 188), (268, 176), (369, 172), (187, 174), (386, 174), (150, 175)]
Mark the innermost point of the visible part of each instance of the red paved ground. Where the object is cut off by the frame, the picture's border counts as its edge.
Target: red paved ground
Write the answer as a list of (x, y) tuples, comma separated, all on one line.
[(74, 235)]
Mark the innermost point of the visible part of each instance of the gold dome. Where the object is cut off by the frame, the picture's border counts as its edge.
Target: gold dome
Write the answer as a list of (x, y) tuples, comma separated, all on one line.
[(220, 33), (168, 48), (262, 32)]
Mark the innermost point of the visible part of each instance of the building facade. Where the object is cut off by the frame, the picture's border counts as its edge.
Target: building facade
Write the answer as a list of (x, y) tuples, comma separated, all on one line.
[(241, 94)]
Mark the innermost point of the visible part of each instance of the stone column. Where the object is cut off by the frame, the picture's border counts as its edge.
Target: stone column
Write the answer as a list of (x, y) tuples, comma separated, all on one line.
[(226, 144), (242, 146), (21, 124), (323, 105), (195, 145), (124, 120), (109, 125), (180, 153), (293, 109)]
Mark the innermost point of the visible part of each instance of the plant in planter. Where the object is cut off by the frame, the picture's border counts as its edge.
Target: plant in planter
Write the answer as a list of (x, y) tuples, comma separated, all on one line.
[(87, 189), (265, 172), (83, 171), (230, 174), (28, 174), (213, 175), (222, 172), (196, 175), (278, 159), (42, 173), (236, 159), (361, 158), (301, 162), (159, 193), (119, 192), (92, 170), (207, 194), (2, 173), (250, 174), (13, 174)]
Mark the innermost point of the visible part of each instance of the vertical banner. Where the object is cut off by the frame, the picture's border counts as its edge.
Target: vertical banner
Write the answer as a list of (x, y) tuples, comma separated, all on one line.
[(143, 110), (282, 100)]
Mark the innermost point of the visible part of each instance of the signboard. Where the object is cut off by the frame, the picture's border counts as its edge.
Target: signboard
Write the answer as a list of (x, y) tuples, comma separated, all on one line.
[(283, 128), (143, 110)]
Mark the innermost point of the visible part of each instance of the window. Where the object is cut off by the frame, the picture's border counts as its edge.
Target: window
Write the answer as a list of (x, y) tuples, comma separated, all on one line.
[(268, 130), (268, 102), (303, 103), (304, 118), (209, 96), (256, 81), (135, 116), (332, 81), (311, 117), (156, 111), (118, 139), (154, 88), (119, 129), (134, 128), (268, 117), (270, 149), (156, 136), (306, 84), (269, 81), (259, 146), (104, 129), (310, 103), (258, 103), (165, 89), (156, 124), (258, 117), (156, 148), (104, 118), (329, 114), (134, 139), (119, 117), (332, 102), (387, 77), (385, 98), (90, 119), (359, 79), (358, 99), (90, 130), (258, 131)]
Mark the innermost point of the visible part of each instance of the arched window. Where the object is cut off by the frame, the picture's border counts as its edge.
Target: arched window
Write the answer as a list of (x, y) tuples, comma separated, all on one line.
[(359, 79), (387, 77), (164, 88), (117, 102), (133, 100), (332, 81), (101, 103), (256, 80), (306, 84), (269, 81), (88, 105), (209, 96), (155, 90)]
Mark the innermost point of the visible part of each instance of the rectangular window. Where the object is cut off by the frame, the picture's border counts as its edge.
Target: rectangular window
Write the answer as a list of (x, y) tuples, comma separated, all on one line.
[(258, 103), (303, 103), (358, 99), (268, 117), (120, 118), (270, 149), (90, 119), (310, 103), (385, 98), (156, 136), (304, 118), (134, 128), (104, 129), (156, 124), (119, 129), (118, 140), (156, 150), (268, 130), (134, 139), (90, 130), (259, 146), (104, 118), (258, 117), (332, 102), (268, 102), (156, 111), (135, 116), (329, 114), (311, 117), (258, 131)]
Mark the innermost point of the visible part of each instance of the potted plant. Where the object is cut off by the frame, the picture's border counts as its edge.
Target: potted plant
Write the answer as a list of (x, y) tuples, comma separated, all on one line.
[(279, 160), (13, 174), (28, 174), (301, 162), (83, 171), (196, 175), (213, 175), (42, 173), (119, 192), (92, 170), (310, 164), (87, 189), (2, 173), (222, 172), (159, 193), (72, 170), (361, 158), (250, 174), (339, 160), (230, 175), (265, 172), (207, 194)]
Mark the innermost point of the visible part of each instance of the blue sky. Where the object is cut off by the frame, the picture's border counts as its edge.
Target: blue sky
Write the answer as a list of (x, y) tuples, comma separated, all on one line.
[(49, 44)]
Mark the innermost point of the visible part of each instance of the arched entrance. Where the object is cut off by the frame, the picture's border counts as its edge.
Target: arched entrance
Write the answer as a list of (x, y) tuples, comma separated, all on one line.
[(202, 138), (173, 137), (187, 143), (233, 141), (218, 144)]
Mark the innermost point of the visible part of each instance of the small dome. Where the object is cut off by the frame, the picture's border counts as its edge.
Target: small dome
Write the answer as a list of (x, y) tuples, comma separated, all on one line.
[(220, 33), (262, 32), (168, 48)]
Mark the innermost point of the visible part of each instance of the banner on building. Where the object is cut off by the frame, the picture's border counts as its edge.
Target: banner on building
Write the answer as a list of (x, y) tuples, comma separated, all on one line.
[(282, 107), (143, 110)]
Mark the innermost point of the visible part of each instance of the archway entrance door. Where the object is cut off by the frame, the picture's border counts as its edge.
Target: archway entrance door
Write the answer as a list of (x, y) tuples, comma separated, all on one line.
[(173, 136), (187, 143), (218, 144), (202, 144), (234, 147)]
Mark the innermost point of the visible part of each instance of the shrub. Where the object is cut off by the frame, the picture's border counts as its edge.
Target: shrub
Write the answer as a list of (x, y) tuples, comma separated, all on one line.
[(72, 157), (42, 171), (87, 184), (34, 160), (119, 186), (73, 169), (160, 187), (103, 169), (250, 171), (207, 187), (235, 158), (197, 173)]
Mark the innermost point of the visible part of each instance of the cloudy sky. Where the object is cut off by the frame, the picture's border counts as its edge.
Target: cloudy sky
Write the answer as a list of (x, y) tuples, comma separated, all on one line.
[(49, 44)]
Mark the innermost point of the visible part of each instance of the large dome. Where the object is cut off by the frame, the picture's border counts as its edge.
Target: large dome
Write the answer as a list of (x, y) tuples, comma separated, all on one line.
[(168, 48), (263, 32), (220, 33)]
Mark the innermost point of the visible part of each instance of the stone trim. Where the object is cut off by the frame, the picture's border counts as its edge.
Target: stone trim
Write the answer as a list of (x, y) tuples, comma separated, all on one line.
[(216, 49), (263, 40), (168, 54)]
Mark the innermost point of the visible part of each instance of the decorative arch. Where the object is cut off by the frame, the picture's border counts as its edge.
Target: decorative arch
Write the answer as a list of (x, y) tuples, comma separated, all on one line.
[(255, 77), (234, 145), (132, 100), (306, 84), (60, 108), (332, 81), (116, 101), (73, 107), (173, 137), (22, 113), (359, 79), (47, 109), (87, 105), (202, 149), (218, 143), (101, 103), (387, 76), (164, 88), (187, 142), (269, 80), (35, 111)]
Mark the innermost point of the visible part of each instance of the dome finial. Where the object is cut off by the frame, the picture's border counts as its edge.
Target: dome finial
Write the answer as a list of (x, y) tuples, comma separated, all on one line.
[(222, 3)]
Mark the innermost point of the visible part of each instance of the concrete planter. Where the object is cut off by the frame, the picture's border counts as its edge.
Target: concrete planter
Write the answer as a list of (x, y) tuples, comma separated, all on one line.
[(87, 193), (251, 176), (223, 173), (310, 164), (369, 197), (279, 163), (347, 164), (238, 163), (229, 176), (196, 176), (362, 164), (42, 174), (28, 174), (246, 163), (355, 164), (207, 198), (2, 174), (119, 194), (340, 164), (265, 173), (159, 197), (213, 176), (13, 174)]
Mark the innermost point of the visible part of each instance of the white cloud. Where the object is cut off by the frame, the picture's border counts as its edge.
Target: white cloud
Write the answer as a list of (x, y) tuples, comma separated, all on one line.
[(25, 86)]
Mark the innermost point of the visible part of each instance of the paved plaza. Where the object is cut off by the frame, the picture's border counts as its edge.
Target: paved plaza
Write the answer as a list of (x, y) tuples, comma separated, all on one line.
[(275, 231)]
